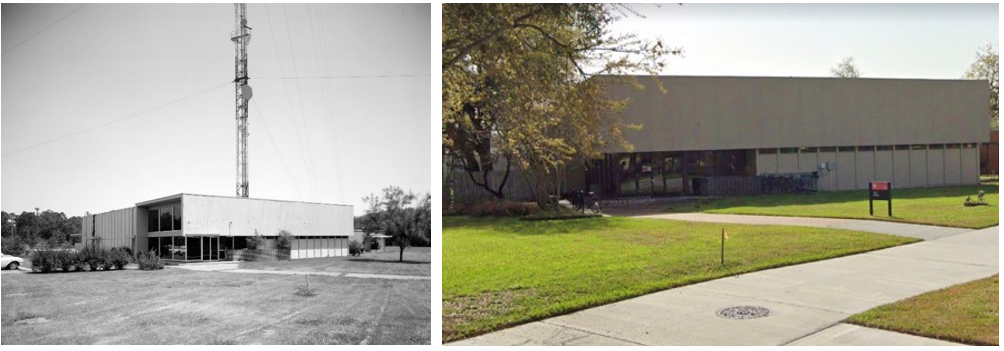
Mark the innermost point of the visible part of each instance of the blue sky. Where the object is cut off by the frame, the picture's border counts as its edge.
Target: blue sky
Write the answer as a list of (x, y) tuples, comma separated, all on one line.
[(340, 138), (806, 40)]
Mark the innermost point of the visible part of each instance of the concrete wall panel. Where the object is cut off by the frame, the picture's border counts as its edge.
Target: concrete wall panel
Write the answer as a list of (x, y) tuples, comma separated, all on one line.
[(766, 163), (883, 165), (241, 217), (808, 162), (787, 163), (114, 228), (918, 168), (953, 166), (936, 167), (970, 159), (845, 170), (828, 179), (864, 165), (901, 168), (721, 113)]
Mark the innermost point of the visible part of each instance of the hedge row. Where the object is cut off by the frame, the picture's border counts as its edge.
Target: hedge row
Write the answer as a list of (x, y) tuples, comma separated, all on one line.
[(89, 258)]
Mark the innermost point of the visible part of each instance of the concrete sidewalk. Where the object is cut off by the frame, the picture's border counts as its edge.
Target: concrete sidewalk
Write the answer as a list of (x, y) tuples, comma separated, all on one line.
[(807, 302), (233, 267), (925, 232)]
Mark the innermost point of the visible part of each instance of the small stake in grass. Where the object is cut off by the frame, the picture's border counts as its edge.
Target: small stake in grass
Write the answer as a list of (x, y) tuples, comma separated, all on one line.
[(725, 236)]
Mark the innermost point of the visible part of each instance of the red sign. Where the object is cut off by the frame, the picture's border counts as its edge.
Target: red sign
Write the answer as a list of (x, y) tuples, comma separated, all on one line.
[(879, 185)]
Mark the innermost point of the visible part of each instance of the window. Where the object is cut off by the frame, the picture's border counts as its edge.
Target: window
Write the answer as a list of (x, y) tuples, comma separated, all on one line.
[(152, 217), (884, 148), (768, 151), (165, 219), (177, 217), (902, 147), (846, 149), (827, 149), (952, 146), (969, 145), (918, 147), (936, 146), (866, 148), (807, 150), (789, 150)]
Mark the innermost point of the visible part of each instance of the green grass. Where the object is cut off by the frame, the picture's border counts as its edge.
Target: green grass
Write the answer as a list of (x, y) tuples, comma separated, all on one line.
[(967, 313), (176, 306), (502, 272), (934, 206), (417, 261)]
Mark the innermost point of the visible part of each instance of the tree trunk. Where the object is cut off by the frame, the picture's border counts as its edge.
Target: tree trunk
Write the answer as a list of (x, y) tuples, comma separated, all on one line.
[(401, 257)]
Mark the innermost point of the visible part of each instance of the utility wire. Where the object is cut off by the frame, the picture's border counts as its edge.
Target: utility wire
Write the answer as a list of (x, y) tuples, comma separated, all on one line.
[(353, 76), (289, 100), (43, 29), (299, 94), (327, 97), (293, 180), (115, 121)]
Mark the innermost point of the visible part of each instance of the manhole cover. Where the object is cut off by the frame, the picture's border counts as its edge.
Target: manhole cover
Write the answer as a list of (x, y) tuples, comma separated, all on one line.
[(744, 312)]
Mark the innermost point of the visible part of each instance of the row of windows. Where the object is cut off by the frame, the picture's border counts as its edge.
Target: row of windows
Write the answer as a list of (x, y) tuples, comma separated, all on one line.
[(793, 150), (164, 219)]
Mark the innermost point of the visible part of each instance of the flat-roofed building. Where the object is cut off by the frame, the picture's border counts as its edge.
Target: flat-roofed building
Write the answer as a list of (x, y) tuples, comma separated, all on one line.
[(190, 227), (839, 133)]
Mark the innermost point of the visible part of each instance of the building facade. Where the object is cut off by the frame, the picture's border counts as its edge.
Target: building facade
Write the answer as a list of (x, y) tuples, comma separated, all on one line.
[(189, 227), (840, 133)]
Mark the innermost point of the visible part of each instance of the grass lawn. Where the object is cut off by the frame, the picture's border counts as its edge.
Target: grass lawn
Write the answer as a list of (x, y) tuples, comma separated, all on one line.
[(936, 206), (499, 273), (968, 313), (417, 261), (176, 306)]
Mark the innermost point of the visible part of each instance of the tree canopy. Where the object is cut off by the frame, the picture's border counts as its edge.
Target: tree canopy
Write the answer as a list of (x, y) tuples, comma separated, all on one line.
[(37, 229), (986, 67), (846, 69), (520, 83), (406, 217)]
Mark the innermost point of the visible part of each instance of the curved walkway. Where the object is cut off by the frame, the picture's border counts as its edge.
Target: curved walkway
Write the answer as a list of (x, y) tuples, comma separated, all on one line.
[(807, 301)]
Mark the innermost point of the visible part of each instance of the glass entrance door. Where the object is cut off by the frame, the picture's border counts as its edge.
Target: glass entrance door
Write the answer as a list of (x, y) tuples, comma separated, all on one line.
[(210, 248)]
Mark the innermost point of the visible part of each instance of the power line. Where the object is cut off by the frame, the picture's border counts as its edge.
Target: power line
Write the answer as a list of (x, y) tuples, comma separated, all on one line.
[(293, 180), (289, 100), (43, 29), (299, 94), (354, 76), (117, 120)]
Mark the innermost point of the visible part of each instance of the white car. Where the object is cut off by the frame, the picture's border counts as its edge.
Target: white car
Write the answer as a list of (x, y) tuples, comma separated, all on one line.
[(10, 262)]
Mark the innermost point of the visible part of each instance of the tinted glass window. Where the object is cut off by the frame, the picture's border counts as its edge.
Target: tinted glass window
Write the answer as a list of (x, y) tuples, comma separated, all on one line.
[(165, 219), (177, 218), (152, 217)]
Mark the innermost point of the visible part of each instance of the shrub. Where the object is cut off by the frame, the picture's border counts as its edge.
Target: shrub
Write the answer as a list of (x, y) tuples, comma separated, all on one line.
[(498, 208), (41, 261), (256, 242), (65, 260), (149, 261), (120, 257), (284, 240), (93, 257), (355, 248)]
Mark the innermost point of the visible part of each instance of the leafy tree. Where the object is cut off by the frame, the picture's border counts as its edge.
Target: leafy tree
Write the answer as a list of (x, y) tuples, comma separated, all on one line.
[(986, 67), (846, 69), (520, 84), (397, 217), (284, 240)]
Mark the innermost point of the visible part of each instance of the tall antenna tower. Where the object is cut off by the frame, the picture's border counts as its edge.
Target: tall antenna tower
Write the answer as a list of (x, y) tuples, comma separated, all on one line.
[(241, 36)]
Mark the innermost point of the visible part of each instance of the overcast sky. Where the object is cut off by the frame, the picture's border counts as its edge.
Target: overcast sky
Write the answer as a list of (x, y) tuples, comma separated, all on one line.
[(806, 40), (339, 138)]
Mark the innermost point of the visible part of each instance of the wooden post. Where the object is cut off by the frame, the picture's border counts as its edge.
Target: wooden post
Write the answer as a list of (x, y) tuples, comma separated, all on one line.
[(723, 246)]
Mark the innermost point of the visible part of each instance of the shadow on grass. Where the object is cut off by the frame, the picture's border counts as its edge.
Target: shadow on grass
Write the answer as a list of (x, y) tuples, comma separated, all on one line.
[(386, 261), (508, 226)]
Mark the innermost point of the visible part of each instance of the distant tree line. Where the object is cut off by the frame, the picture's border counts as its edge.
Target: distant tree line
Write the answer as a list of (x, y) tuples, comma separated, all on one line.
[(30, 230)]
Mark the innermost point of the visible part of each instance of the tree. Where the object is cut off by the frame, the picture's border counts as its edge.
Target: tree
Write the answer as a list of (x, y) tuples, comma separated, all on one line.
[(846, 69), (399, 219), (284, 240), (986, 67), (520, 84)]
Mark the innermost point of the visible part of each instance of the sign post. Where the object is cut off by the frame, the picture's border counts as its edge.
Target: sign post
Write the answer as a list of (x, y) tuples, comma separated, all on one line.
[(879, 191)]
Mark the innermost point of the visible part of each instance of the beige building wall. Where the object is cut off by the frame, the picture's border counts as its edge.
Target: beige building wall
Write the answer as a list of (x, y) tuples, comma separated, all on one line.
[(970, 165), (865, 168), (722, 113), (787, 162), (807, 162), (953, 166), (114, 228), (918, 168), (884, 165), (827, 179), (935, 167), (901, 168), (766, 163), (846, 170), (241, 217)]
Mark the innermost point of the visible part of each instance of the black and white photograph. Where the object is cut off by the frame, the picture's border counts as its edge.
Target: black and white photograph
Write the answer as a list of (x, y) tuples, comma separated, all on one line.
[(216, 174)]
